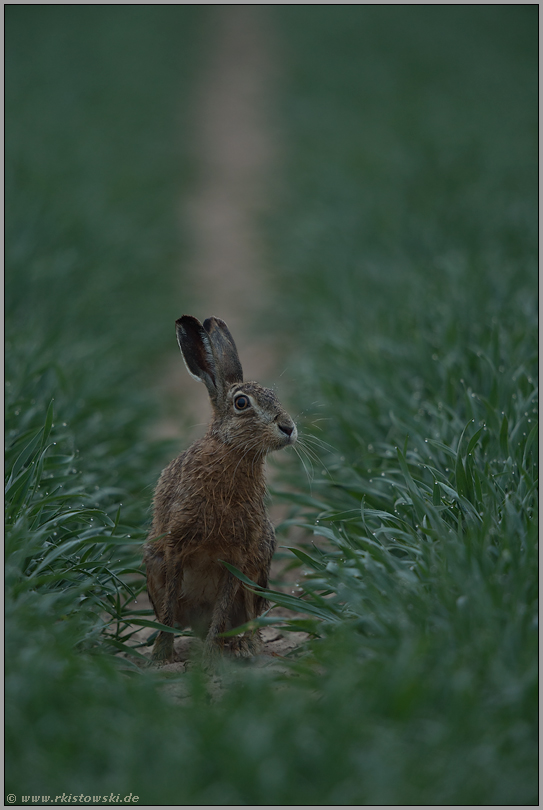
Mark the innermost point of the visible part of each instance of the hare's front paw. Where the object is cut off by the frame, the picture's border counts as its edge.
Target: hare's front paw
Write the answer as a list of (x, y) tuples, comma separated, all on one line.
[(163, 648), (247, 645), (213, 653)]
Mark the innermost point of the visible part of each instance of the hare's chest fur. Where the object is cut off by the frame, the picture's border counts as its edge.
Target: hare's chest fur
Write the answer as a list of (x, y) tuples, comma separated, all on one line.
[(221, 503)]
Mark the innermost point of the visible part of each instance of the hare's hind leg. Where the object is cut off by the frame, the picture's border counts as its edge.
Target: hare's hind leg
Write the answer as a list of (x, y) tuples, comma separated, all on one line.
[(163, 646), (156, 588), (153, 557)]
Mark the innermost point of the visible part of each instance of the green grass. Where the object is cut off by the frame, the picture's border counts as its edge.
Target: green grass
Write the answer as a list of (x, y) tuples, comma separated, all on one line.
[(407, 243), (97, 156), (410, 255), (97, 159)]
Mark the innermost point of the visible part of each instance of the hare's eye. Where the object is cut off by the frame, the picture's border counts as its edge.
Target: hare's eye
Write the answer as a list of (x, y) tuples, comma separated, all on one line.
[(241, 403)]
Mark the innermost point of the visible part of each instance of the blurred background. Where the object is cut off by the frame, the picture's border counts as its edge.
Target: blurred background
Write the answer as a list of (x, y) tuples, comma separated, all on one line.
[(354, 190)]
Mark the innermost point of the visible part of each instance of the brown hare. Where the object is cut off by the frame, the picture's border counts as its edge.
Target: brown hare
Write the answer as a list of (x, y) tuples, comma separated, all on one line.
[(209, 502)]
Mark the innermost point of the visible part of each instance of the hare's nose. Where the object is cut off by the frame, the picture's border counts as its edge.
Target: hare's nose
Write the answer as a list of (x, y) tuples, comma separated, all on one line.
[(286, 429)]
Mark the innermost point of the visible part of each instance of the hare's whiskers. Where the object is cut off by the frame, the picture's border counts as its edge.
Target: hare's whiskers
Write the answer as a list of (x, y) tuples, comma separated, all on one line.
[(297, 450), (316, 440)]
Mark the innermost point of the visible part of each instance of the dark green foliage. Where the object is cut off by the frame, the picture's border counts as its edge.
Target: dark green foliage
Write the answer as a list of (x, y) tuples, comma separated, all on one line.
[(411, 261), (96, 156), (407, 242), (96, 159)]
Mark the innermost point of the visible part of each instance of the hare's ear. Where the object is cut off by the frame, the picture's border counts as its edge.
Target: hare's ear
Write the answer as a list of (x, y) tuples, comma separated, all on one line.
[(225, 350), (198, 354)]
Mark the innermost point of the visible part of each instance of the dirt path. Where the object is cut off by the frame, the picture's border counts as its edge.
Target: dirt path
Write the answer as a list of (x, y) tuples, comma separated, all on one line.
[(236, 154)]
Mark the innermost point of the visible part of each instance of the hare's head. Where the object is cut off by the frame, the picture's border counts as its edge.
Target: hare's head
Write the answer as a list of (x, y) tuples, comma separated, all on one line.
[(246, 414)]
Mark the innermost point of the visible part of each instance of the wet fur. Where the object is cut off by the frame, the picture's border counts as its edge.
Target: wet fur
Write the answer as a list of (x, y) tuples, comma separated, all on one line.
[(209, 504)]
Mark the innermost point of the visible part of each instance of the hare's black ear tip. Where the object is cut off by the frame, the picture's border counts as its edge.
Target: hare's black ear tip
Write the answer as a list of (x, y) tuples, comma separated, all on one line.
[(186, 321), (214, 322)]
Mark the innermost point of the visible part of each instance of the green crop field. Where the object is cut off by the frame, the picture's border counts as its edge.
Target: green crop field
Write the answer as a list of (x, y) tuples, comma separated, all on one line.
[(403, 254)]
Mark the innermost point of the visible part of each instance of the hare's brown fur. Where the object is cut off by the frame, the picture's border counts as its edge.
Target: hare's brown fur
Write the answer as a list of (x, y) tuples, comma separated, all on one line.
[(209, 502)]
